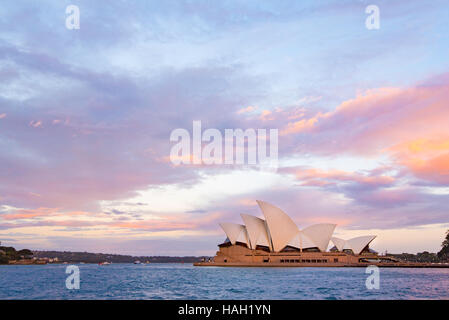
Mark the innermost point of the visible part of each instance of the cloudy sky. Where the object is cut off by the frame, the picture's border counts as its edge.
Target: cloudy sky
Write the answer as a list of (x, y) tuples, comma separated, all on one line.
[(86, 117)]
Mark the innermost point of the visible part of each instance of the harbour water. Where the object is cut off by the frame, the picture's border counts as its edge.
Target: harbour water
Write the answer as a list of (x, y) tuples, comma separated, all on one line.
[(184, 281)]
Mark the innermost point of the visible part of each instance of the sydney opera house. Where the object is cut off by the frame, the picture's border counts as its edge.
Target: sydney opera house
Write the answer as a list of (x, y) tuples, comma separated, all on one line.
[(277, 241)]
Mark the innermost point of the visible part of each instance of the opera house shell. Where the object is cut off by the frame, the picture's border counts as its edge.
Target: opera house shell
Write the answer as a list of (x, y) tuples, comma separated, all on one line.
[(277, 241)]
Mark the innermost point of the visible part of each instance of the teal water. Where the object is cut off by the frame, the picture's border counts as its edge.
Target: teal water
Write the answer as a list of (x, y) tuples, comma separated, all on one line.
[(183, 281)]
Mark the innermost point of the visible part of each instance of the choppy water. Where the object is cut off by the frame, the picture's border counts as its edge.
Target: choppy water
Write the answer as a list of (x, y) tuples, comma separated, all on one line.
[(183, 281)]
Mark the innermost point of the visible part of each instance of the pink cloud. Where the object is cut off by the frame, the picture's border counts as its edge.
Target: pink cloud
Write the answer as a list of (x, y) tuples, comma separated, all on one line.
[(409, 125), (36, 123), (20, 214), (246, 110), (426, 159), (317, 177)]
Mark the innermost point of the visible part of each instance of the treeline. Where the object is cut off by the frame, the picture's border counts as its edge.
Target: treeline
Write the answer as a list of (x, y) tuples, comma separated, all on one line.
[(441, 256), (419, 257), (88, 257), (10, 253)]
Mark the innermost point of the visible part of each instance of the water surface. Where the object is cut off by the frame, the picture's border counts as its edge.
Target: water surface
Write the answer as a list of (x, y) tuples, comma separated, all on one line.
[(183, 281)]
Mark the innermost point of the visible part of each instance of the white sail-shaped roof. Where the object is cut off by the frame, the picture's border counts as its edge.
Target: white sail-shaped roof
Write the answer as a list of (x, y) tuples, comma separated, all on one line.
[(235, 232), (359, 243), (257, 231), (278, 231), (320, 234), (356, 244), (281, 227), (301, 241), (339, 243)]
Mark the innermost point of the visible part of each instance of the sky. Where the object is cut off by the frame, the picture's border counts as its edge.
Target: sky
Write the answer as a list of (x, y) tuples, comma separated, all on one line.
[(86, 116)]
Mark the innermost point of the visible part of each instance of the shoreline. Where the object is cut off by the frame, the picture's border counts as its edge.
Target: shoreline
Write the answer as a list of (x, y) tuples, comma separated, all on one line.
[(321, 265), (90, 263)]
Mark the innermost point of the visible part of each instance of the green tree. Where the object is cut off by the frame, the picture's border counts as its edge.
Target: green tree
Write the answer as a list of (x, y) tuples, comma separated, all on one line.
[(3, 259), (25, 252), (444, 252)]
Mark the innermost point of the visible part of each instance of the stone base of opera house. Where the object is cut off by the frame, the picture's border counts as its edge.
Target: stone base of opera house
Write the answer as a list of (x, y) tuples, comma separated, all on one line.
[(241, 256)]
